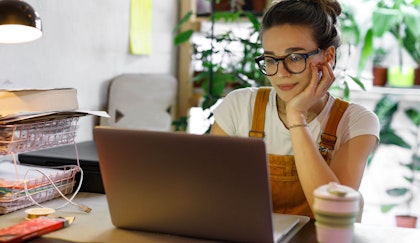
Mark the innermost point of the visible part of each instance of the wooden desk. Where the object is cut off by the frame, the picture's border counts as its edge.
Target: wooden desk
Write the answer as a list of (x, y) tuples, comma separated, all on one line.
[(97, 227)]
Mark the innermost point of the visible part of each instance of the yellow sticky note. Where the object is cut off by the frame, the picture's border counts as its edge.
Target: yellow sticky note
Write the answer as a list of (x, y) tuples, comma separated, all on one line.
[(141, 27)]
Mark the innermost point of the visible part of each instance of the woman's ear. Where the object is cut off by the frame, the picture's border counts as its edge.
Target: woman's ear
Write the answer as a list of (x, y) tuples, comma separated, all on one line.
[(330, 55)]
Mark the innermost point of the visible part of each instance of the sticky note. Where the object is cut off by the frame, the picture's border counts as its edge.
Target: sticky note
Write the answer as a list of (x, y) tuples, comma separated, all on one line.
[(141, 27)]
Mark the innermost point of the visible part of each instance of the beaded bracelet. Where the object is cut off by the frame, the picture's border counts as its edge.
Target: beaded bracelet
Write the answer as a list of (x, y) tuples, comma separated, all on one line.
[(298, 125)]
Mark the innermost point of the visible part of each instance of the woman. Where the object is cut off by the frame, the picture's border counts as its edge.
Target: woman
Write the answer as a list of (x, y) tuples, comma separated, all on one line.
[(300, 40)]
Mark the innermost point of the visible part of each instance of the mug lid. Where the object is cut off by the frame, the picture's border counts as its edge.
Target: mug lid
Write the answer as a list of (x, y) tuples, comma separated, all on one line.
[(336, 191)]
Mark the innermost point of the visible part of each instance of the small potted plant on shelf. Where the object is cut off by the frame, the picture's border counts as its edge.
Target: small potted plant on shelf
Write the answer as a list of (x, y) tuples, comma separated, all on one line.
[(380, 71), (401, 20)]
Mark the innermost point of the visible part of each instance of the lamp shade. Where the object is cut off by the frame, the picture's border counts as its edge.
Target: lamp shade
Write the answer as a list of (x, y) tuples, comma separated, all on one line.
[(18, 22)]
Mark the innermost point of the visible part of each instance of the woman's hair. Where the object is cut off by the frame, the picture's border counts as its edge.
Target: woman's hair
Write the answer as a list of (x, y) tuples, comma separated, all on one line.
[(320, 15)]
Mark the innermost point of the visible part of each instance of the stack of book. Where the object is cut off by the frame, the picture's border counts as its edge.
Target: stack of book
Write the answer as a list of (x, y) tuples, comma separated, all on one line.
[(33, 105), (32, 120)]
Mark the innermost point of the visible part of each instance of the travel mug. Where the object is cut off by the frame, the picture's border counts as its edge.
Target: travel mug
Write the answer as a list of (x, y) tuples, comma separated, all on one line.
[(336, 208)]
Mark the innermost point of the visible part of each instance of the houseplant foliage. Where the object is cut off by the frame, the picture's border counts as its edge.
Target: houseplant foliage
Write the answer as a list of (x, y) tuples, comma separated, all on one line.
[(352, 37), (386, 109), (232, 69), (401, 19)]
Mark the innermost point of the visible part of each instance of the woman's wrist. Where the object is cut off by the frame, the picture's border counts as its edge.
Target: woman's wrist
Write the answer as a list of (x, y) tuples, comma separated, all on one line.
[(296, 118), (297, 125)]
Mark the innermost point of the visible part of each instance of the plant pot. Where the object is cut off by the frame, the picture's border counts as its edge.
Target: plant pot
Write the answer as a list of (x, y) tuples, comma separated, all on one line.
[(259, 6), (402, 77), (223, 5), (406, 221), (417, 76), (379, 76), (256, 6)]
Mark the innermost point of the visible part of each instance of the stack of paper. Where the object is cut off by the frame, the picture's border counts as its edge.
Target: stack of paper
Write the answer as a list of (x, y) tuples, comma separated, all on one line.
[(17, 181)]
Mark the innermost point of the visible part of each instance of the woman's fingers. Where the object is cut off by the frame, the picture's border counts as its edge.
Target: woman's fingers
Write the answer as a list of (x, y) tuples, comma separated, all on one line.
[(327, 78)]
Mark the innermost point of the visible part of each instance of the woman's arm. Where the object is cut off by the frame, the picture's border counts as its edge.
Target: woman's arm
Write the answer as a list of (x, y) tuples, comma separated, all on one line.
[(216, 130), (346, 167), (349, 161)]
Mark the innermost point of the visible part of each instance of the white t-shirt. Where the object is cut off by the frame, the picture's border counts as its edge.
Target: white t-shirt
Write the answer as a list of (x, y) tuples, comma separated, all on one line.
[(234, 116)]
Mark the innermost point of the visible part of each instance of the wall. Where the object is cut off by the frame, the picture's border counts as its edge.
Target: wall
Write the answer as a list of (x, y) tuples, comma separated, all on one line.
[(84, 46)]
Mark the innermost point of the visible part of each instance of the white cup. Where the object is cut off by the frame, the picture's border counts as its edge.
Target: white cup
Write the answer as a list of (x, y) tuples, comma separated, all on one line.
[(336, 208)]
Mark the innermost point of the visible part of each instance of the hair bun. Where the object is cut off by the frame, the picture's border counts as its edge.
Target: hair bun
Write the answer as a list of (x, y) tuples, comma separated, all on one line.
[(332, 7)]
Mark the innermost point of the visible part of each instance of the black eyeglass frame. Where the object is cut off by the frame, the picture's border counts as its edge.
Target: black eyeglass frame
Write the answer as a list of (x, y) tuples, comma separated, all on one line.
[(304, 55)]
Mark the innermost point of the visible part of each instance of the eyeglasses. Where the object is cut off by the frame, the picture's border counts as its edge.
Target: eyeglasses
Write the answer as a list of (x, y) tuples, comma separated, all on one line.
[(294, 63)]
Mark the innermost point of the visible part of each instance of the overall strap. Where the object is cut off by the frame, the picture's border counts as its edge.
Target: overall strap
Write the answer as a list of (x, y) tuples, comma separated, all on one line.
[(258, 119), (328, 137)]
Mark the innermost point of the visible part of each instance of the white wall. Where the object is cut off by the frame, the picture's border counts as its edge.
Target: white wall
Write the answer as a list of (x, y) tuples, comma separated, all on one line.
[(84, 46)]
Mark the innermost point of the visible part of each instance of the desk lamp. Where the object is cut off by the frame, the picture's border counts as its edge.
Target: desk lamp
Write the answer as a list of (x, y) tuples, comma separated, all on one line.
[(18, 22)]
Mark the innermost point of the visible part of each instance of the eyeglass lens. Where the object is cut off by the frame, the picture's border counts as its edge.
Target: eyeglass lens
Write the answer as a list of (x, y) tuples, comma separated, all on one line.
[(294, 63)]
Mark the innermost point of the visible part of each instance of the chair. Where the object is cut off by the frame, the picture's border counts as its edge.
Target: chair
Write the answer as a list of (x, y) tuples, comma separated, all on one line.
[(141, 101)]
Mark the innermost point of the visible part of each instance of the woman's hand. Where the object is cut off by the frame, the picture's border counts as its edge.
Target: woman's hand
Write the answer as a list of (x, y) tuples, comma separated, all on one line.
[(321, 80)]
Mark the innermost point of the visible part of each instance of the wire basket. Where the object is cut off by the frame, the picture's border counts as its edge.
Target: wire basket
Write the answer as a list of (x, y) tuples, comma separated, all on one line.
[(38, 135), (22, 192), (39, 189)]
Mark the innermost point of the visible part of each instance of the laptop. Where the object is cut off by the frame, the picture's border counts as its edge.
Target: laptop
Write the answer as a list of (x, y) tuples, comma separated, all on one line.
[(201, 186)]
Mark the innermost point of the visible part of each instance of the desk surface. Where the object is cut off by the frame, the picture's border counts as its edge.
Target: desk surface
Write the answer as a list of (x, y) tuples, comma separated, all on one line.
[(97, 227)]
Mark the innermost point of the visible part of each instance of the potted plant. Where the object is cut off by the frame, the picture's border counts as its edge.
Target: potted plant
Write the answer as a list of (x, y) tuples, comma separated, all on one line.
[(405, 193), (215, 77), (254, 6), (400, 19), (380, 71)]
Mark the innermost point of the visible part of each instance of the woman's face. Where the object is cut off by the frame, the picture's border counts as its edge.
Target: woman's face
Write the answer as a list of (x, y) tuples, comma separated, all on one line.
[(282, 40)]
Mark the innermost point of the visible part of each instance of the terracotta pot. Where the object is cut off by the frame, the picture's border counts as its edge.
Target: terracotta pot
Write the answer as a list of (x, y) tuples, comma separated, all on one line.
[(380, 76), (417, 76), (406, 221), (223, 5), (257, 6)]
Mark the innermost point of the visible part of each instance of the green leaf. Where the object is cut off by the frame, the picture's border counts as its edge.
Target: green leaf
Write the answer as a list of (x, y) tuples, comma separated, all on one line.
[(358, 82), (384, 19), (414, 116), (390, 137), (397, 192), (181, 124), (386, 208), (227, 16), (183, 37), (416, 162), (412, 45), (182, 21), (346, 90), (385, 110), (409, 179), (200, 77), (412, 20), (367, 50)]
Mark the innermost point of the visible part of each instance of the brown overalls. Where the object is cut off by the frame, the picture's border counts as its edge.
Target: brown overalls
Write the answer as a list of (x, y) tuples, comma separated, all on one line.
[(286, 190)]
